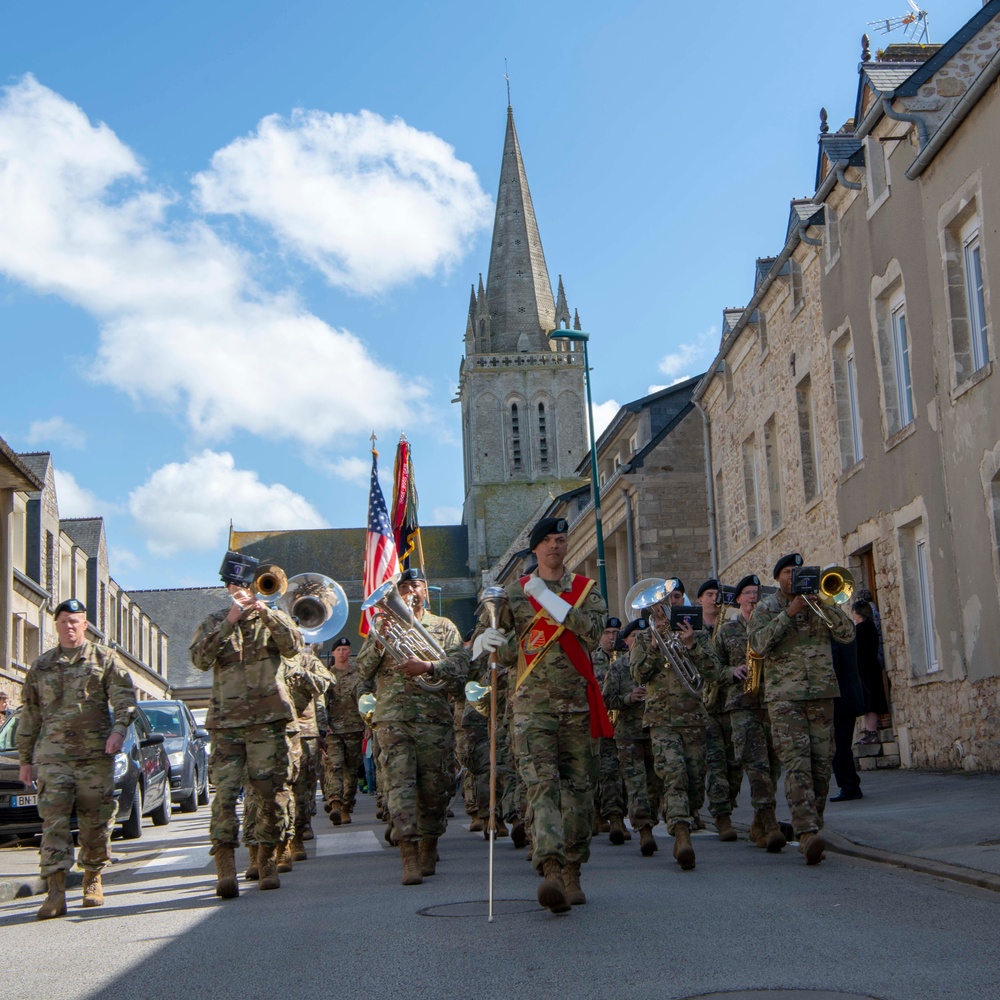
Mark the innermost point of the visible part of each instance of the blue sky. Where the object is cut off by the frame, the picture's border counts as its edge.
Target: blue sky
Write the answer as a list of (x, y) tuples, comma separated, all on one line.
[(236, 237)]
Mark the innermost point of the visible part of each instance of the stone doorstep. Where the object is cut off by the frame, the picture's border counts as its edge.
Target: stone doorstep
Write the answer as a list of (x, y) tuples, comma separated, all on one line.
[(868, 750), (867, 763), (890, 760)]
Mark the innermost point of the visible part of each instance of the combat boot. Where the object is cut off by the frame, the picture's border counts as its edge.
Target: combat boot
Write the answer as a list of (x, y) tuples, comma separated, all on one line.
[(336, 817), (501, 829), (225, 871), (628, 834), (298, 849), (571, 882), (253, 871), (476, 826), (345, 816), (518, 836), (93, 891), (683, 851), (307, 833), (616, 829), (552, 891), (55, 901), (774, 839), (268, 862), (725, 827), (283, 857), (757, 829), (412, 871), (647, 843), (428, 856), (813, 846)]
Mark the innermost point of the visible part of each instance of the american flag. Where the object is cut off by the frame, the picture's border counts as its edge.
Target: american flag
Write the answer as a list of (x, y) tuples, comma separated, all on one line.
[(381, 560)]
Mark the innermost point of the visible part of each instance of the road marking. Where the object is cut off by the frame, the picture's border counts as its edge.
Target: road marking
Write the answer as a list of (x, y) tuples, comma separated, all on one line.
[(348, 842), (170, 857)]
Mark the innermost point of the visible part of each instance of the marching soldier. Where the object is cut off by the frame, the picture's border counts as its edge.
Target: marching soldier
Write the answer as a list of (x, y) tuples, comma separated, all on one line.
[(610, 804), (247, 717), (557, 618), (345, 733), (799, 687), (67, 735), (416, 733), (626, 702)]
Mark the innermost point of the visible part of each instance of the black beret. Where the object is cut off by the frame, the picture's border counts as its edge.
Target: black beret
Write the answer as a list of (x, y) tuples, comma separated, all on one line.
[(678, 585), (792, 559), (413, 573), (238, 568), (636, 623), (73, 606), (708, 585), (748, 581), (547, 526), (614, 623), (342, 641)]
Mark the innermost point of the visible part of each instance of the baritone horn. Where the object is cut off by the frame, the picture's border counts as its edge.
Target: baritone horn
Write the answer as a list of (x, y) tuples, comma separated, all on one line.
[(670, 645)]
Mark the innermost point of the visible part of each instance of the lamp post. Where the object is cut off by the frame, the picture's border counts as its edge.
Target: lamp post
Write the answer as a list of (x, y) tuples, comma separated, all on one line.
[(579, 335)]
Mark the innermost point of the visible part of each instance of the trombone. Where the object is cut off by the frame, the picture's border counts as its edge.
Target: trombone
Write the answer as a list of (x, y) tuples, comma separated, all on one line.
[(836, 587), (647, 594)]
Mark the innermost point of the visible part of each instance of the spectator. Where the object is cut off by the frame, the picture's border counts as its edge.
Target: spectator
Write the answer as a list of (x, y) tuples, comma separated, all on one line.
[(870, 671), (5, 710)]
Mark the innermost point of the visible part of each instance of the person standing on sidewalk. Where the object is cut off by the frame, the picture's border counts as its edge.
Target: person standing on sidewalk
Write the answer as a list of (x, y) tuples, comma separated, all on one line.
[(67, 734), (799, 688)]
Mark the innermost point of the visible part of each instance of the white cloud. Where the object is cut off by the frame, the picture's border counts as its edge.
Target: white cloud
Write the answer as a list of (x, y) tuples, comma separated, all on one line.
[(369, 202), (121, 559), (184, 325), (75, 500), (188, 505), (692, 357), (604, 413), (656, 388), (354, 470), (446, 515), (55, 430)]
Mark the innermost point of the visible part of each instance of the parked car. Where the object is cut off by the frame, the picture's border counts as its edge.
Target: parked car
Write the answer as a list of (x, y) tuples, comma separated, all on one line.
[(142, 783), (185, 743)]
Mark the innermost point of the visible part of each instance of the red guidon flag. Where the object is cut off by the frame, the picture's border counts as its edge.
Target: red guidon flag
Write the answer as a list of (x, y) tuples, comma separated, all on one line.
[(405, 529), (381, 561)]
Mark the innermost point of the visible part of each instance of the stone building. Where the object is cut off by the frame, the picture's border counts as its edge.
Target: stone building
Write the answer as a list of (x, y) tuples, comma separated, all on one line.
[(522, 395), (898, 426)]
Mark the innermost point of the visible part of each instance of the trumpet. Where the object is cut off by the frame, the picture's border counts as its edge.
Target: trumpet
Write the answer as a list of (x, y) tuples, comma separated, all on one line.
[(836, 587), (652, 593)]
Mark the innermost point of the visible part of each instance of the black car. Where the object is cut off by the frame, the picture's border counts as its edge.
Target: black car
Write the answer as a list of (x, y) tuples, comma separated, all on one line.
[(185, 743), (142, 783)]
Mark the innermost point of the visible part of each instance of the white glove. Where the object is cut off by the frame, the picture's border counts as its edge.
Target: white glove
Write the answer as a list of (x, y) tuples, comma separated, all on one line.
[(488, 641), (552, 602)]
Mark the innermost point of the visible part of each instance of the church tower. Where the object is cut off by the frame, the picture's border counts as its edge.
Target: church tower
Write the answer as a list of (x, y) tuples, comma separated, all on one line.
[(522, 395)]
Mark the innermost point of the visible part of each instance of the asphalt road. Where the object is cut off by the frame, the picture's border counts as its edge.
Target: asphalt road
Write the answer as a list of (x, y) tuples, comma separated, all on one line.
[(343, 925)]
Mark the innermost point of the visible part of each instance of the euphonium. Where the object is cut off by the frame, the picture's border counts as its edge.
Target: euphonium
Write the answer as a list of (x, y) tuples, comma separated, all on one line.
[(366, 707), (655, 592)]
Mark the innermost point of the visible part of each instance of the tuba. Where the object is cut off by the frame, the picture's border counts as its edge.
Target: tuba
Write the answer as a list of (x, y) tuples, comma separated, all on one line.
[(836, 587), (317, 603), (395, 628), (647, 594)]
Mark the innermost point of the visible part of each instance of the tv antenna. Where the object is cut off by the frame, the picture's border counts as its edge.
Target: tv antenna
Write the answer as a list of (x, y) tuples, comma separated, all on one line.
[(914, 23)]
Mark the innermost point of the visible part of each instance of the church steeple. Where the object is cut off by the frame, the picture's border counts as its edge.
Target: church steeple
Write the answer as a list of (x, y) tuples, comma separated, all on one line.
[(518, 290)]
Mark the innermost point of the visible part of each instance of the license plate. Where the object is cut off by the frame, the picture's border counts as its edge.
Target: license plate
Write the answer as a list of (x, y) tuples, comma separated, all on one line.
[(22, 801)]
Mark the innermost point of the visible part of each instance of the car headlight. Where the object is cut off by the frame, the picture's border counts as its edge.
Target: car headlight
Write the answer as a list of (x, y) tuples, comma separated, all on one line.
[(176, 759), (121, 765)]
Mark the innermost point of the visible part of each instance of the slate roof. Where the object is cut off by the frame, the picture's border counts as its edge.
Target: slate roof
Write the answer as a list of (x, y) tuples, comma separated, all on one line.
[(807, 212), (85, 531), (886, 77), (761, 270)]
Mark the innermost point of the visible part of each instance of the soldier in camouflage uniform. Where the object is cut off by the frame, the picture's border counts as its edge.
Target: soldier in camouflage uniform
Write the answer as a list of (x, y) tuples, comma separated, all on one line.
[(724, 773), (345, 732), (751, 728), (67, 734), (676, 720), (625, 701), (799, 687), (247, 716), (554, 619), (610, 798), (416, 732)]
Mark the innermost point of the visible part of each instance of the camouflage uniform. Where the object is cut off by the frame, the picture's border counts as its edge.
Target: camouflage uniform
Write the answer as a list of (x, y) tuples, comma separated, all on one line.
[(63, 729), (610, 794), (306, 679), (472, 747), (676, 722), (345, 731), (552, 740), (416, 733), (725, 775), (247, 716), (799, 687), (635, 749)]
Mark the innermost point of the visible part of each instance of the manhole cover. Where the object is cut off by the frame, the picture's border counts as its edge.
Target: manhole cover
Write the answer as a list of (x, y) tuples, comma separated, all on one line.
[(480, 908), (782, 995)]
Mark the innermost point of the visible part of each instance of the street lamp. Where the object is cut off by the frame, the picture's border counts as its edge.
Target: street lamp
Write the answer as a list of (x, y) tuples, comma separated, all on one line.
[(437, 591), (595, 485)]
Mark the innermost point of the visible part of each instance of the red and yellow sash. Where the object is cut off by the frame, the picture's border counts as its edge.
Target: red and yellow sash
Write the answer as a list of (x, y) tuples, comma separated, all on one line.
[(543, 631)]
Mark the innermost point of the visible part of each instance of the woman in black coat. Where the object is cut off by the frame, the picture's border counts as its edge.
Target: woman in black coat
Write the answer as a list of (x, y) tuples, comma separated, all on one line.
[(870, 670)]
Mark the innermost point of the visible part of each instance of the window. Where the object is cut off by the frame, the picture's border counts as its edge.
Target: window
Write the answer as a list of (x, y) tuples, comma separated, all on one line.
[(807, 438), (633, 444), (751, 487), (876, 172), (515, 435), (845, 387), (852, 396), (773, 475), (50, 557), (918, 597), (901, 357), (976, 298), (543, 441), (926, 607)]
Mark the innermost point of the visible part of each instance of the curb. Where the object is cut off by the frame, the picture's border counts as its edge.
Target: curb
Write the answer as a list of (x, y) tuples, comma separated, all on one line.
[(939, 869), (12, 889)]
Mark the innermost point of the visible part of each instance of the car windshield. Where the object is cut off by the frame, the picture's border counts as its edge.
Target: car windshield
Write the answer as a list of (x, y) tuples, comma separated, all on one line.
[(7, 734), (165, 719)]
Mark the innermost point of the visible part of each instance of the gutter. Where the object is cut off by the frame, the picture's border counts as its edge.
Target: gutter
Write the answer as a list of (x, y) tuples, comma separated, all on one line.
[(629, 536)]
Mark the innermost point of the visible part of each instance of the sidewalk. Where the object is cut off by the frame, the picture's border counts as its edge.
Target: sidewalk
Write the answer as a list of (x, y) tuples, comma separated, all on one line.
[(942, 823)]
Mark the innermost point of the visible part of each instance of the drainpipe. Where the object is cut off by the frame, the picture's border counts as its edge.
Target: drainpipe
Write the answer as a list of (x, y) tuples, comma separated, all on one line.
[(808, 239), (708, 482), (841, 172), (899, 116), (629, 536)]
